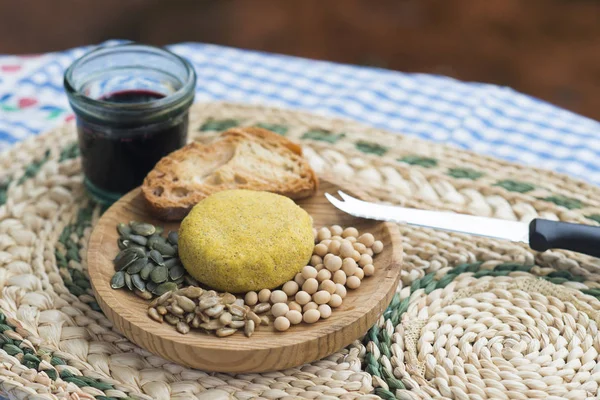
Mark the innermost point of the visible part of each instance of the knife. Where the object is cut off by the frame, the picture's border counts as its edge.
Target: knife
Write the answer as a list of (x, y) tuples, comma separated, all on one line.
[(539, 234)]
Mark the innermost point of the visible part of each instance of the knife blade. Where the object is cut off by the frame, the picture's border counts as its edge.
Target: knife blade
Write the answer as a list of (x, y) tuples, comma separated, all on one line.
[(539, 234)]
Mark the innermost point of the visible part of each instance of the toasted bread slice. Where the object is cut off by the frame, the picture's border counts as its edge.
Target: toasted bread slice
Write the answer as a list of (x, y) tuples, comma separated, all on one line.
[(239, 158)]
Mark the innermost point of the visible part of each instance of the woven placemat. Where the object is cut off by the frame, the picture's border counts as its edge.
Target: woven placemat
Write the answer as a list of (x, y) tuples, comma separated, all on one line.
[(472, 319)]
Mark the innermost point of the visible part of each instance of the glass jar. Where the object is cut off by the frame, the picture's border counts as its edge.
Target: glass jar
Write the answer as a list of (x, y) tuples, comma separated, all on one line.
[(131, 106)]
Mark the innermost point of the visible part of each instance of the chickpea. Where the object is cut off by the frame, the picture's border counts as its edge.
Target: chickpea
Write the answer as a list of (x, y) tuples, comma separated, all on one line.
[(310, 306), (290, 288), (369, 251), (309, 272), (278, 296), (310, 286), (279, 309), (338, 238), (359, 273), (264, 295), (339, 277), (353, 232), (361, 248), (377, 247), (356, 255), (311, 316), (369, 269), (346, 249), (323, 275), (351, 239), (281, 324), (367, 239), (299, 279), (327, 285), (323, 234), (325, 311), (365, 259), (302, 297), (334, 247), (349, 266), (335, 301), (319, 267), (321, 297), (315, 260), (353, 282), (340, 290), (294, 316), (251, 298), (293, 306), (336, 230), (326, 242), (320, 250), (333, 263)]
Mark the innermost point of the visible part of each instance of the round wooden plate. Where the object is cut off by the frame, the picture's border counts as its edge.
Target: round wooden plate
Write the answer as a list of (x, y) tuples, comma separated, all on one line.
[(267, 349)]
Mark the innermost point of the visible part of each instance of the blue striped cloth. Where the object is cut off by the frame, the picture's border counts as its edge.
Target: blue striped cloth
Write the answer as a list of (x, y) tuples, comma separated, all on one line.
[(484, 118)]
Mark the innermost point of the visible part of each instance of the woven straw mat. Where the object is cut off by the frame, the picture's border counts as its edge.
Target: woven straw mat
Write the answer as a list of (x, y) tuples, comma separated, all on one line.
[(473, 318)]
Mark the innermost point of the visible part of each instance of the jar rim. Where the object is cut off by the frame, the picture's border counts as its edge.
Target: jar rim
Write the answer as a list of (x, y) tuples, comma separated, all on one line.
[(176, 97)]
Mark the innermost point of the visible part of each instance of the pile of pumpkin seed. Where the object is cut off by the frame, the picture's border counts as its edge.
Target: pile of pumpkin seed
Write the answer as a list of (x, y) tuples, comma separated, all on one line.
[(221, 314), (148, 263)]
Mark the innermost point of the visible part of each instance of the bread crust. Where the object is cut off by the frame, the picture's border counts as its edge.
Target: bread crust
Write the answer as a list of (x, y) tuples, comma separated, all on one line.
[(186, 176)]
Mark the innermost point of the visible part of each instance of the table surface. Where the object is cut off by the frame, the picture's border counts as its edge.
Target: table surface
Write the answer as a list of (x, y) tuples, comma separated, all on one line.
[(487, 119)]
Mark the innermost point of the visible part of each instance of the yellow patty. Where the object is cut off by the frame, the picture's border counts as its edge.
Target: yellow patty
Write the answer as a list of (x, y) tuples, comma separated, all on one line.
[(243, 240)]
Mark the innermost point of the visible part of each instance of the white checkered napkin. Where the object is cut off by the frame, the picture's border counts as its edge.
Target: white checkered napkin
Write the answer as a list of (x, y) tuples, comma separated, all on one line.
[(484, 118)]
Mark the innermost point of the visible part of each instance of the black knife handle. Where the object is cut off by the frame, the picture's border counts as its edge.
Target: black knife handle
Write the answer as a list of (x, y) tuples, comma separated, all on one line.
[(545, 234)]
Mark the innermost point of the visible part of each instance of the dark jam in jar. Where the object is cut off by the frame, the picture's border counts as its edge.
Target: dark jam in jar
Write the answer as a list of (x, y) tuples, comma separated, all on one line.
[(116, 157), (131, 105)]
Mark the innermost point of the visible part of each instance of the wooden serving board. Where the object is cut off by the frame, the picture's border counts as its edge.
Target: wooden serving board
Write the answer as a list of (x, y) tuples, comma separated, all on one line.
[(267, 349)]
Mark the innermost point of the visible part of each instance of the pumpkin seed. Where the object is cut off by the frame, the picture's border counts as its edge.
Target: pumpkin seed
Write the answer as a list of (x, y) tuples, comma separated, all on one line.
[(139, 239), (123, 243), (159, 230), (156, 257), (151, 286), (223, 332), (118, 280), (124, 230), (179, 281), (145, 272), (237, 324), (249, 328), (144, 295), (159, 274), (152, 240), (126, 257), (182, 327), (171, 262), (164, 287), (128, 282), (191, 281), (176, 272), (173, 237), (153, 313), (142, 228), (165, 249), (136, 266), (138, 282)]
